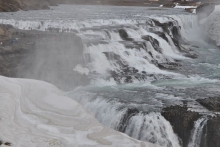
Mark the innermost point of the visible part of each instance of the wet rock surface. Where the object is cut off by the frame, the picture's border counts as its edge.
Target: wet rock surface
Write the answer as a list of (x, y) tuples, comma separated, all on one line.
[(16, 5), (212, 104), (211, 133), (182, 121)]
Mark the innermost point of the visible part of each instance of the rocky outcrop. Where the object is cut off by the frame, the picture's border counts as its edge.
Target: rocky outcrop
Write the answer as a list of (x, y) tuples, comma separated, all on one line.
[(212, 130), (212, 104), (16, 5), (9, 5), (212, 133), (124, 35), (182, 121)]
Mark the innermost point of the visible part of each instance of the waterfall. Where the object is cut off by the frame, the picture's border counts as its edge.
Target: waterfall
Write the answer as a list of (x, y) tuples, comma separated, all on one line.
[(151, 127), (127, 50), (195, 138), (123, 50)]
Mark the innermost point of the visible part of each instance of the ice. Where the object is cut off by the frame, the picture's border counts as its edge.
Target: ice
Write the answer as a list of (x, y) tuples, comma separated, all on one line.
[(35, 113)]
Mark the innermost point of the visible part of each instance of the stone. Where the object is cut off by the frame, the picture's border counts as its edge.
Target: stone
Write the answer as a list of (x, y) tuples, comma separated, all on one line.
[(2, 32), (7, 143), (212, 104), (212, 133), (181, 120)]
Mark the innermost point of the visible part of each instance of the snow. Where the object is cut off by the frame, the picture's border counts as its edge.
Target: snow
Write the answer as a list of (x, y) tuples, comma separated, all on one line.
[(35, 113), (185, 7), (212, 25)]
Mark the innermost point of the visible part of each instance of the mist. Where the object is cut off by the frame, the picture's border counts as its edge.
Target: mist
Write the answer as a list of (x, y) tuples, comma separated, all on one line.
[(53, 59)]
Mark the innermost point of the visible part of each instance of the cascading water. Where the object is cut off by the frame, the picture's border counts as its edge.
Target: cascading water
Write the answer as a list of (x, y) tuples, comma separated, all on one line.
[(136, 48), (197, 132), (151, 127)]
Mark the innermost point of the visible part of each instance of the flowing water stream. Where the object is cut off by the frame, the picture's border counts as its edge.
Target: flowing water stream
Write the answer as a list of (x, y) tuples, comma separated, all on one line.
[(140, 60)]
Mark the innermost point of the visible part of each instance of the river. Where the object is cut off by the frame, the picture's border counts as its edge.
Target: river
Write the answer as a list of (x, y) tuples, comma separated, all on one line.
[(139, 61)]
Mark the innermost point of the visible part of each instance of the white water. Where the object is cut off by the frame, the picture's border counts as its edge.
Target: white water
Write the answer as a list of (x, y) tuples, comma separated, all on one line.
[(196, 135), (94, 30), (147, 127), (152, 127), (133, 57)]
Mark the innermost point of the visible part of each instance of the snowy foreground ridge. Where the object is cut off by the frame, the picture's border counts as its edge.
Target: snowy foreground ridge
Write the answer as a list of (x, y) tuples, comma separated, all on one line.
[(35, 113), (212, 23)]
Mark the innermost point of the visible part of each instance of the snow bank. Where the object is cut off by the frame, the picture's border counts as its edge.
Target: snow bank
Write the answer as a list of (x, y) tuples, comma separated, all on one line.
[(212, 24), (35, 113), (185, 7)]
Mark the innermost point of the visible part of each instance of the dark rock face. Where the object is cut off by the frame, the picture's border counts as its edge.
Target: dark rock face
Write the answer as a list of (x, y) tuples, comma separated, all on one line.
[(212, 104), (212, 130), (168, 66), (212, 133), (9, 5), (154, 42), (191, 55), (182, 121), (205, 10), (16, 5), (124, 35), (170, 28)]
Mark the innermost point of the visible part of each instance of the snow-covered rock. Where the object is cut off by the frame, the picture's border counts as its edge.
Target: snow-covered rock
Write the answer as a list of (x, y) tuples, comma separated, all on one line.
[(37, 114), (212, 25)]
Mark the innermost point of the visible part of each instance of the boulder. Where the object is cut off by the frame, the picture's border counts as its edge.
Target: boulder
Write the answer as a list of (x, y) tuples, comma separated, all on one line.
[(182, 121), (124, 35)]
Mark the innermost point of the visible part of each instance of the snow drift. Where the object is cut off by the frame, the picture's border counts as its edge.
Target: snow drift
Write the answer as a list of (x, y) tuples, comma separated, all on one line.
[(35, 113)]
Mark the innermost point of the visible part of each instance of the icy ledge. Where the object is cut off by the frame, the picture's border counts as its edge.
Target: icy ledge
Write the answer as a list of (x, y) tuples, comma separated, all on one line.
[(212, 24), (35, 113)]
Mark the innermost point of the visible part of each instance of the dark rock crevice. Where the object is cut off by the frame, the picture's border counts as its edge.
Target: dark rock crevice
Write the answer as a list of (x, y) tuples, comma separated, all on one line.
[(182, 121)]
